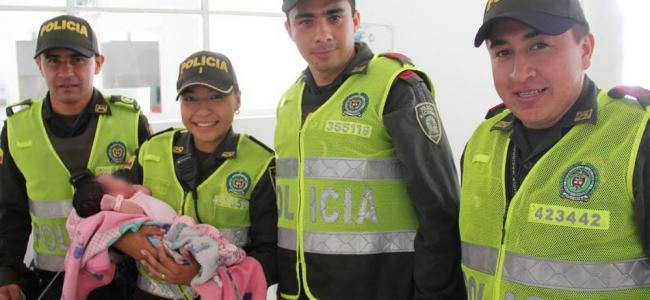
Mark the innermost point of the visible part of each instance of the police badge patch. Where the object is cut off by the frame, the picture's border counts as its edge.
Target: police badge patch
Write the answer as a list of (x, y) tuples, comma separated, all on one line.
[(429, 121), (355, 104), (116, 152), (579, 182), (238, 183)]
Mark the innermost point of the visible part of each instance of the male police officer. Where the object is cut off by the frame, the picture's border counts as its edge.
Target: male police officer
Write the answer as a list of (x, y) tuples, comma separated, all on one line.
[(554, 179), (45, 141), (367, 189)]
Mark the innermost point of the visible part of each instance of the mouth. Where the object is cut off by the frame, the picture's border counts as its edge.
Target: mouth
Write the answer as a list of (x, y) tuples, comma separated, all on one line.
[(323, 50), (205, 124), (67, 85), (530, 93)]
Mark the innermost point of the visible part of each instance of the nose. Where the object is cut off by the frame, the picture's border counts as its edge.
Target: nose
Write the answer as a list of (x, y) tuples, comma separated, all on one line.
[(66, 69), (522, 69), (323, 31)]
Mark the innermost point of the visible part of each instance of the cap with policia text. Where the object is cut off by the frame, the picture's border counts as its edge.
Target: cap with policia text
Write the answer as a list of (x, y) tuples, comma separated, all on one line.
[(67, 32), (209, 69), (287, 5), (552, 17)]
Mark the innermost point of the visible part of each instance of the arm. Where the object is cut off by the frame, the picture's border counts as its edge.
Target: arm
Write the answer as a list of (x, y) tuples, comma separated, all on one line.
[(642, 191), (144, 130), (432, 185), (264, 230), (15, 221)]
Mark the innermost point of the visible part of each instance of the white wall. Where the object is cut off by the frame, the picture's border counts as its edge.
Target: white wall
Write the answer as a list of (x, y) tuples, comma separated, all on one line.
[(439, 35)]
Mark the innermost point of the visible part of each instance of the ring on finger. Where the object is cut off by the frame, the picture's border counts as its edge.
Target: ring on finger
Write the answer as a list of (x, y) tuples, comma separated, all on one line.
[(163, 276)]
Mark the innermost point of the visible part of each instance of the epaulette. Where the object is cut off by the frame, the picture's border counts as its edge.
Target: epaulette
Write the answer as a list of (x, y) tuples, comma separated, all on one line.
[(161, 132), (125, 102), (23, 104), (403, 59), (260, 143), (495, 110), (640, 94)]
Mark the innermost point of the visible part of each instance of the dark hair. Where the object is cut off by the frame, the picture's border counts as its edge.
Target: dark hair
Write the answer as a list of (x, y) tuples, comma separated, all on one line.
[(87, 196), (352, 5), (579, 31)]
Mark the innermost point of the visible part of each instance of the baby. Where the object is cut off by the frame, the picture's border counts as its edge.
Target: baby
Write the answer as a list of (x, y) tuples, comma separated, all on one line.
[(111, 193)]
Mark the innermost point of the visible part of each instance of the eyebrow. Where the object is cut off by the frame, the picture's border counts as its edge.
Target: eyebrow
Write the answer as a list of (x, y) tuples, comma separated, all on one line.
[(304, 15), (501, 42)]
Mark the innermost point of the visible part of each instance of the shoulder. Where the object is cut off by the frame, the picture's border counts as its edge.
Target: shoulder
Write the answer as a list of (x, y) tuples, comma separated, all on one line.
[(495, 110), (163, 134), (257, 143), (398, 57), (640, 94), (18, 107), (124, 102)]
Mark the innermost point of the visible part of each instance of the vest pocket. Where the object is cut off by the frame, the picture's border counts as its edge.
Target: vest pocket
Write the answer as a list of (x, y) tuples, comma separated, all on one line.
[(230, 211), (158, 187)]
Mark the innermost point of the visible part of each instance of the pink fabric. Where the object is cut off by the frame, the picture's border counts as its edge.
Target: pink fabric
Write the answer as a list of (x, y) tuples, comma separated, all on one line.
[(246, 277), (87, 263), (141, 203)]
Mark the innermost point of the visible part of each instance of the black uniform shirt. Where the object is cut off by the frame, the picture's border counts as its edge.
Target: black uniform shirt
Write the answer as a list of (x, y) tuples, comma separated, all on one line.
[(263, 213), (431, 181), (530, 145), (15, 221)]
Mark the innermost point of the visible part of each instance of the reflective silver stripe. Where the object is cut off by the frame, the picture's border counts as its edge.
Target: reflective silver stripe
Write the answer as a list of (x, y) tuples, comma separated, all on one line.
[(576, 276), (287, 238), (480, 258), (161, 289), (352, 169), (52, 263), (50, 209), (349, 243), (238, 236), (286, 168)]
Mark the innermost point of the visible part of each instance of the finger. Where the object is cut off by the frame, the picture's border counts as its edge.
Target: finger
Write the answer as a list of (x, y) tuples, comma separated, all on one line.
[(188, 256), (151, 230), (14, 293), (156, 266)]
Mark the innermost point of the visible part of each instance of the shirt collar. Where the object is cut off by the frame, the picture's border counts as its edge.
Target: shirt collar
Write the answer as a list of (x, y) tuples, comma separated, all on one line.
[(96, 106), (584, 110), (227, 149), (358, 65)]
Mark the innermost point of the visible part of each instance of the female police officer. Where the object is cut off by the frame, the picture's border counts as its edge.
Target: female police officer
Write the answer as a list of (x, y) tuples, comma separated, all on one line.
[(208, 172)]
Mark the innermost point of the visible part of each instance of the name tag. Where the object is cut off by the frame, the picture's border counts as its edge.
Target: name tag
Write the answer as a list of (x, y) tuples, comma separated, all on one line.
[(569, 216), (349, 128)]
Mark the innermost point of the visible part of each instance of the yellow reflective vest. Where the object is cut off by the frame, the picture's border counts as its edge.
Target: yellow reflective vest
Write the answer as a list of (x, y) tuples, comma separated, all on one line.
[(46, 176), (340, 189), (569, 231)]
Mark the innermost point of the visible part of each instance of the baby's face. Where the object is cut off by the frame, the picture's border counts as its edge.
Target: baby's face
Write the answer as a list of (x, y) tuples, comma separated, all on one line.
[(115, 186)]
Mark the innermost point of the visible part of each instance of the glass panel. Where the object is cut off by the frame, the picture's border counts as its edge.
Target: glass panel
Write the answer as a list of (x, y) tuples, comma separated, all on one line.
[(158, 4), (33, 2), (20, 78), (143, 52), (264, 57), (247, 5)]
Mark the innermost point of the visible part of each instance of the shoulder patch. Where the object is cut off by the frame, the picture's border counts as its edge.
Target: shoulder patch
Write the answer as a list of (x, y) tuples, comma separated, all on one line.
[(495, 110), (260, 143), (403, 59), (125, 102), (19, 107), (640, 94)]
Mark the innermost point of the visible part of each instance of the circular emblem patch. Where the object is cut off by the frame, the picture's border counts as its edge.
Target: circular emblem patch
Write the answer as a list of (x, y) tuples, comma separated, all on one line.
[(116, 152), (579, 182), (238, 183), (355, 104)]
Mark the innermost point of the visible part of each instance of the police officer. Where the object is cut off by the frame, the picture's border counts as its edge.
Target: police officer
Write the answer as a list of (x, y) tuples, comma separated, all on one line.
[(367, 188), (555, 192), (209, 172), (44, 141)]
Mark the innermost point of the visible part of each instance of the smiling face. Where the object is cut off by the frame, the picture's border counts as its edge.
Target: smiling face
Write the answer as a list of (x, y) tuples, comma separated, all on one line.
[(539, 77), (208, 115), (69, 77), (323, 32)]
